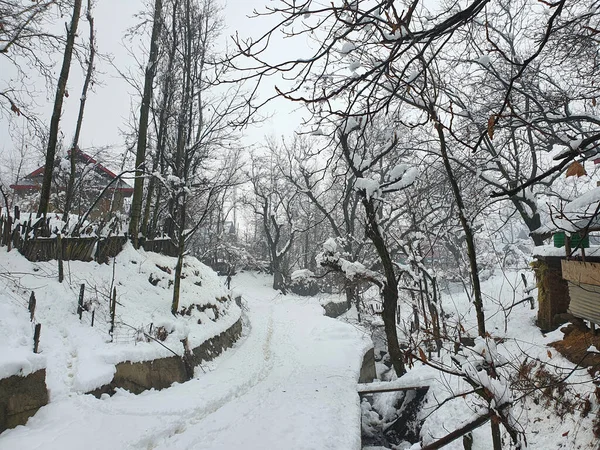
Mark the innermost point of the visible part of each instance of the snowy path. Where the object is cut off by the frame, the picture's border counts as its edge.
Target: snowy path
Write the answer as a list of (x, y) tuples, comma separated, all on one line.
[(291, 383)]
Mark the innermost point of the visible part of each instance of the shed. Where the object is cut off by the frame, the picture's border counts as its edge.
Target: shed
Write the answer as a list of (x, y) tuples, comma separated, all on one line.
[(568, 274), (584, 288)]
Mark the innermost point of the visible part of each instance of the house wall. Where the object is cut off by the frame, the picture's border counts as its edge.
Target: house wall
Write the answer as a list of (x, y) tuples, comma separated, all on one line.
[(28, 200), (584, 288)]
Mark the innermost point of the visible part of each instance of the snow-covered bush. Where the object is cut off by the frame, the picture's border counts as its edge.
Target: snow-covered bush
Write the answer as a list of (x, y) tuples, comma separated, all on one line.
[(303, 283)]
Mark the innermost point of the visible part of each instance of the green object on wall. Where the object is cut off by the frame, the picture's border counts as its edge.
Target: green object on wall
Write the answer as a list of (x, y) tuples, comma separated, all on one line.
[(576, 240)]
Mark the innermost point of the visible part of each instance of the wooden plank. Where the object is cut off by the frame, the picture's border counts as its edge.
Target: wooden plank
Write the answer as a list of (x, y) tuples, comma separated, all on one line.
[(362, 391), (581, 272)]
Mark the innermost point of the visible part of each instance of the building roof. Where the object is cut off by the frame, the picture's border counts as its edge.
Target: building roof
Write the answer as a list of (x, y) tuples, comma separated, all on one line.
[(28, 182)]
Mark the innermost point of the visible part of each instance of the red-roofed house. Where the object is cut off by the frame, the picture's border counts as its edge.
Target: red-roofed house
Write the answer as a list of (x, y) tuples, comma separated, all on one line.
[(91, 179)]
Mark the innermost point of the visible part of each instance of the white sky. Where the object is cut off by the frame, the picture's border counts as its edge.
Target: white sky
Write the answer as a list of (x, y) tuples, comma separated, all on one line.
[(108, 106)]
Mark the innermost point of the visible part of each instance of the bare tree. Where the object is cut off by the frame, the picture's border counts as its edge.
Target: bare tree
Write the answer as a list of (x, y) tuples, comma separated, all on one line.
[(24, 43), (276, 206), (84, 92), (57, 109), (140, 155)]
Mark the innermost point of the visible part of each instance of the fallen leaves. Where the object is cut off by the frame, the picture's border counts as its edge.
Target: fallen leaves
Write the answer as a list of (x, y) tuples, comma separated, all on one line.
[(490, 126), (576, 169)]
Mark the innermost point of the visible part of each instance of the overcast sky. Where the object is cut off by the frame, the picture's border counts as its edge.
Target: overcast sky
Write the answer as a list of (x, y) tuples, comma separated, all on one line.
[(108, 107)]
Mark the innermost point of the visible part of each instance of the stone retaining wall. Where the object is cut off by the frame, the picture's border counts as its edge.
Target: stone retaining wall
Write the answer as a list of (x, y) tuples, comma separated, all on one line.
[(163, 372), (21, 397), (367, 371)]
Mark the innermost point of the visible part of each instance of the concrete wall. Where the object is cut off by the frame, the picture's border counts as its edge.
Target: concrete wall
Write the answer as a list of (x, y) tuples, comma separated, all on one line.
[(21, 397), (161, 373)]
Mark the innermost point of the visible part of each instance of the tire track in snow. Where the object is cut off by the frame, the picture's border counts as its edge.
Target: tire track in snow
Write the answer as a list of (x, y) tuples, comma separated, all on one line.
[(201, 412), (291, 335)]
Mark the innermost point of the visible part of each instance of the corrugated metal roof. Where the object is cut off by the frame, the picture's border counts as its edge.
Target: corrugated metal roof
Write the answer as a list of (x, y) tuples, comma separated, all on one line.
[(585, 301)]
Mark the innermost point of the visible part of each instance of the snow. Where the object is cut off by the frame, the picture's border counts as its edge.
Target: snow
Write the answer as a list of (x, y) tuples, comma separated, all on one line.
[(412, 76), (508, 346), (406, 179), (65, 165), (397, 172), (484, 60), (290, 383), (16, 343), (350, 124), (397, 34), (291, 380), (80, 358), (347, 48), (354, 66), (551, 250), (352, 269), (587, 202), (302, 274), (370, 186), (575, 144), (330, 245), (581, 213), (56, 223)]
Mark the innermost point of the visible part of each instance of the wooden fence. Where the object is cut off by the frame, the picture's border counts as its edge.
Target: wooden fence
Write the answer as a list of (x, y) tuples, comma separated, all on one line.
[(37, 245), (161, 245)]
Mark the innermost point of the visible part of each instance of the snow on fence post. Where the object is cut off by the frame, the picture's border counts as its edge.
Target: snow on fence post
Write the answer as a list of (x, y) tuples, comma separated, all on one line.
[(31, 306), (36, 337), (80, 302)]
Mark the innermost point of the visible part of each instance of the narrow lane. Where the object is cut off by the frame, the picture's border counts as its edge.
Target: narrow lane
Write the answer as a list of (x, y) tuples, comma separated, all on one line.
[(291, 383)]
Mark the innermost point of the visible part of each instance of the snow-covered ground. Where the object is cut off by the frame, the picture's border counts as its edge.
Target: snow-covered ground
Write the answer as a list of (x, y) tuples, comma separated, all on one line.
[(291, 380), (80, 357), (514, 338), (289, 383)]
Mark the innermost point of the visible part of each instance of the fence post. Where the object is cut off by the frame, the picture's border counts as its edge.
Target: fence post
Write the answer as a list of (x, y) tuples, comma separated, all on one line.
[(36, 337), (80, 303), (9, 234), (31, 307), (15, 236), (113, 309), (59, 256)]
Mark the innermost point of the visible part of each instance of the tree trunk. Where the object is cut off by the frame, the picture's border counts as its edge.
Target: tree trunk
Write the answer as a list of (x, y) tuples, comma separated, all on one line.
[(140, 156), (469, 237), (390, 288), (61, 88), (278, 280), (496, 435), (84, 90), (180, 253), (532, 222), (178, 270)]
